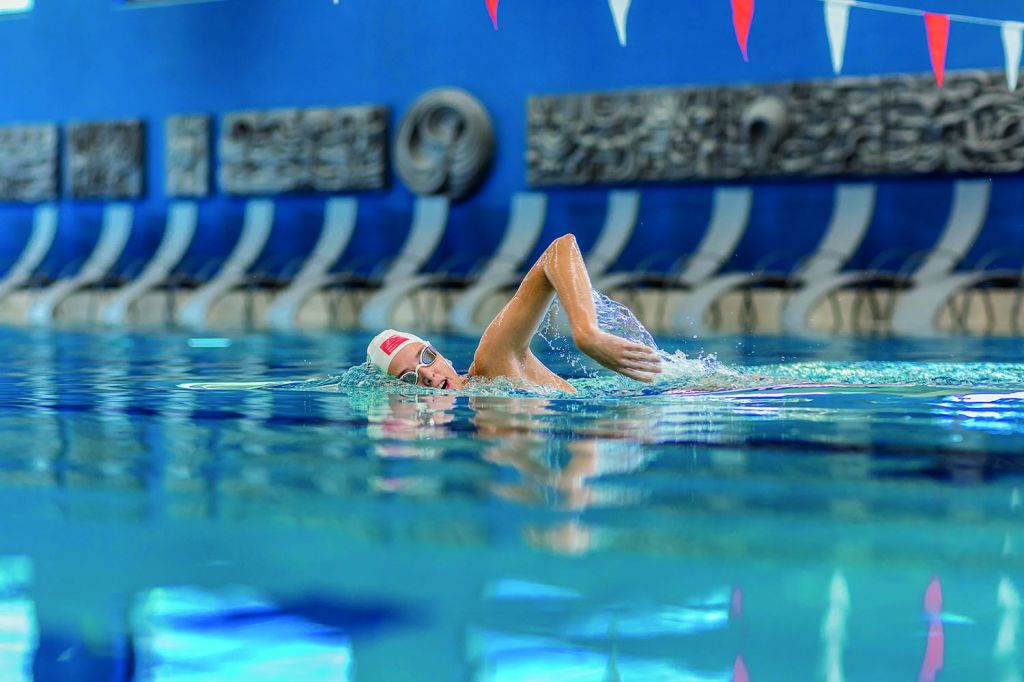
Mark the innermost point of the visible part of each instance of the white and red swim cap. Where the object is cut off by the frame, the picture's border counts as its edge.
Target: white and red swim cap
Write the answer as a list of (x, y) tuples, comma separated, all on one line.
[(386, 345)]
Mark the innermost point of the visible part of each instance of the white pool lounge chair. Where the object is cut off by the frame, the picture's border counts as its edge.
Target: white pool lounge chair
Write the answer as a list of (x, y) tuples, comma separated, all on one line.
[(851, 214), (117, 226), (526, 220), (256, 227), (966, 217), (429, 221), (40, 240), (730, 214), (182, 219), (916, 312), (340, 215), (619, 223)]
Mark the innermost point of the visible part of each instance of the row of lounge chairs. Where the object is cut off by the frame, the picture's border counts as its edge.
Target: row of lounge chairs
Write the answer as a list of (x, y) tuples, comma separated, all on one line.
[(927, 281)]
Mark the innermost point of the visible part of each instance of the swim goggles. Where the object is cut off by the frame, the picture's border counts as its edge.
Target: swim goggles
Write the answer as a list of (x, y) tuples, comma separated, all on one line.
[(427, 357)]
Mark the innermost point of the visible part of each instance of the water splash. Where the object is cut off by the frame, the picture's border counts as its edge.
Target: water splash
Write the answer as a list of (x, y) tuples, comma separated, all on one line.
[(615, 318), (679, 371), (987, 374)]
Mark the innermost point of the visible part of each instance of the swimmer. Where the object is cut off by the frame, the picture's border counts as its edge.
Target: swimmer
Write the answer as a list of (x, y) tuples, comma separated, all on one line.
[(504, 348)]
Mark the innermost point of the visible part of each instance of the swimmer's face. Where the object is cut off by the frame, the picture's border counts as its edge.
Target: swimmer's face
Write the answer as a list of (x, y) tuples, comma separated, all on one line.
[(438, 374)]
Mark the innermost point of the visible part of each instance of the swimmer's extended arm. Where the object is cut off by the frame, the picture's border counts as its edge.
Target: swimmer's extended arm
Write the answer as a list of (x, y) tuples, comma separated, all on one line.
[(560, 270)]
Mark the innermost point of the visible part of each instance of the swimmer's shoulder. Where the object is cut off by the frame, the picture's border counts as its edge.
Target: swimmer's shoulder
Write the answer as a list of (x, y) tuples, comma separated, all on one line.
[(529, 370)]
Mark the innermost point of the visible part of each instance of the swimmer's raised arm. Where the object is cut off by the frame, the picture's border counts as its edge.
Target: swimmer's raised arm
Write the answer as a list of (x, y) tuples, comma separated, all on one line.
[(559, 270)]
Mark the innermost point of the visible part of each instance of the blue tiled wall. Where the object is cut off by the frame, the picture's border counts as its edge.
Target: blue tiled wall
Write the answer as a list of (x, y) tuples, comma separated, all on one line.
[(96, 59)]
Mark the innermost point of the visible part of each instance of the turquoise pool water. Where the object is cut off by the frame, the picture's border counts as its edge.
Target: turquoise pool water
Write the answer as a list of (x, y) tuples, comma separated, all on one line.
[(786, 510)]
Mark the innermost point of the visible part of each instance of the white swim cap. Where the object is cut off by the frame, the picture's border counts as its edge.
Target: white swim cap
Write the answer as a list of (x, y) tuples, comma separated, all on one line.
[(385, 345)]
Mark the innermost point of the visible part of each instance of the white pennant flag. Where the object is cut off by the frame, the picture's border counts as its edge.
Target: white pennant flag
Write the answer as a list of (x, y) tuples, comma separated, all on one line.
[(837, 17), (620, 9), (1012, 48)]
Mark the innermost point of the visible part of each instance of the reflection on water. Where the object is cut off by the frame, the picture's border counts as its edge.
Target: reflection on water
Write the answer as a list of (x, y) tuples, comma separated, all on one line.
[(1008, 661), (187, 635), (18, 635), (833, 628), (759, 531), (543, 632), (934, 653)]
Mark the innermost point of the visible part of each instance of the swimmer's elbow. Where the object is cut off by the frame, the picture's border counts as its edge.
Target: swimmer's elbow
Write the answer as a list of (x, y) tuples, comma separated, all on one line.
[(567, 240)]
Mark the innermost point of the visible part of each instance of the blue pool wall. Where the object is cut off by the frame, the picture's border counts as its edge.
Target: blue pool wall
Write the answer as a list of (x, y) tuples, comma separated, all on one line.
[(98, 59)]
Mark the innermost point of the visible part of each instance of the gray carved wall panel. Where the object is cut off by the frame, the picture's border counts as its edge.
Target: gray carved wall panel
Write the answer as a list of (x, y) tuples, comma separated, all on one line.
[(187, 156), (290, 150), (851, 126), (444, 144), (29, 157), (104, 160)]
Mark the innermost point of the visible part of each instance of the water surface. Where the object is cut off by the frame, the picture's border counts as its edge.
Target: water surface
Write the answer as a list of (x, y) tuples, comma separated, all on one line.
[(784, 510)]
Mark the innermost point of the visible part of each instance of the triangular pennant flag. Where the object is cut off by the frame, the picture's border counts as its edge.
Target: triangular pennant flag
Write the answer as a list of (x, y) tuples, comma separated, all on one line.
[(837, 17), (1012, 48), (492, 9), (620, 10), (938, 38), (742, 15), (739, 670)]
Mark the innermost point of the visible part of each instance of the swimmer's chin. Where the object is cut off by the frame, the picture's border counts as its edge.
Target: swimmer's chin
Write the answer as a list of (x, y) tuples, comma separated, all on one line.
[(455, 383)]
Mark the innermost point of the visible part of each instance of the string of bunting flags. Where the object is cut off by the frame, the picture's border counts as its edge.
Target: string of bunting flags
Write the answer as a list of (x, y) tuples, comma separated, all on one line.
[(837, 19)]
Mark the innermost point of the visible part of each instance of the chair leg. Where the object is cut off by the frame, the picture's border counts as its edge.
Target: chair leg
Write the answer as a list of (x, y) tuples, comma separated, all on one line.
[(175, 303), (635, 302), (874, 307), (662, 307), (837, 312), (91, 315), (357, 303), (1015, 309), (879, 312), (445, 294), (990, 310), (169, 305), (855, 312), (748, 313), (419, 309), (884, 323), (332, 306), (247, 307), (956, 315)]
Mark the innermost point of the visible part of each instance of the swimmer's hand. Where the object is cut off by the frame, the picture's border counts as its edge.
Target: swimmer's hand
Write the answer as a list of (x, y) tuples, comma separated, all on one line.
[(634, 360)]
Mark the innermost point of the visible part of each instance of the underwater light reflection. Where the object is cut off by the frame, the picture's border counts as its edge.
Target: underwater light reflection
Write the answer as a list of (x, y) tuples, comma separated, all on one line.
[(186, 634), (19, 634), (537, 631)]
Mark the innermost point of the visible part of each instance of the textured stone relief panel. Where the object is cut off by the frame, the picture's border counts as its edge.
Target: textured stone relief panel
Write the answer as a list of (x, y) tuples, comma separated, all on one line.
[(29, 162), (444, 144), (292, 150), (105, 160), (187, 156), (852, 126), (974, 124)]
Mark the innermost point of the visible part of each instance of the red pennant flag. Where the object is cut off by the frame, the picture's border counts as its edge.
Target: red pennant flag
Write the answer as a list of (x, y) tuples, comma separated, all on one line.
[(492, 9), (742, 15), (739, 670), (938, 39)]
